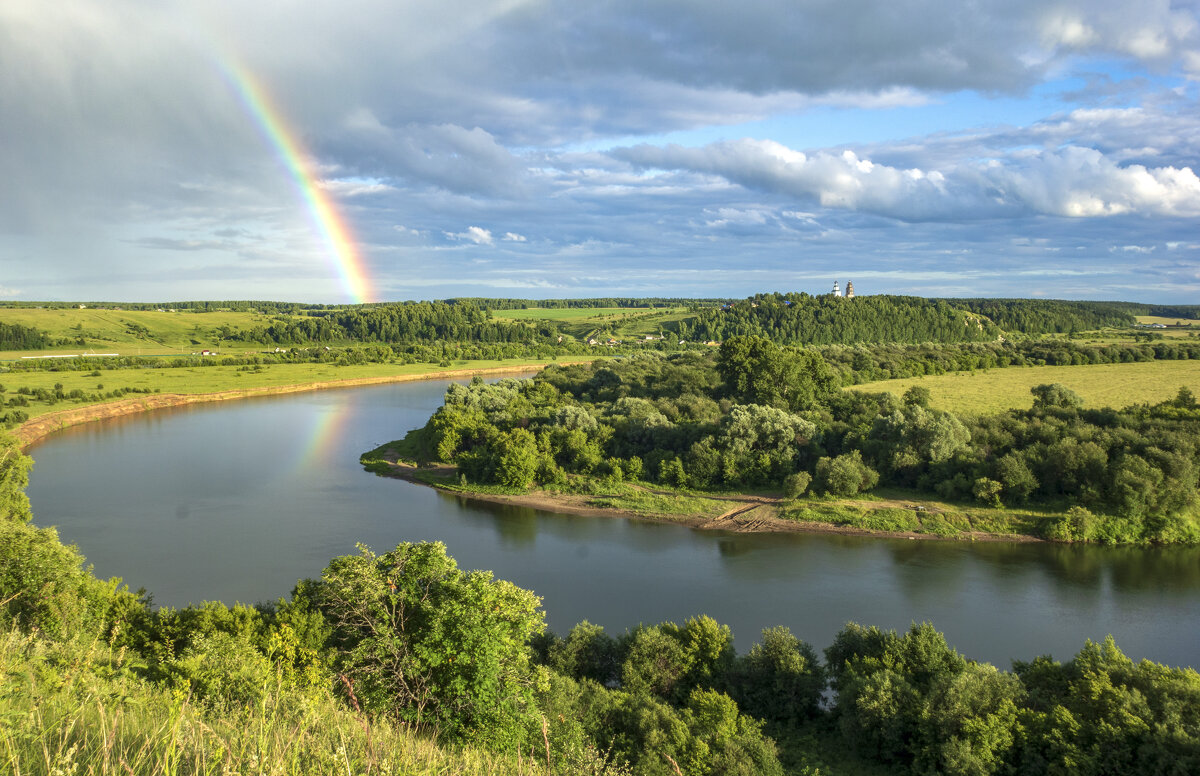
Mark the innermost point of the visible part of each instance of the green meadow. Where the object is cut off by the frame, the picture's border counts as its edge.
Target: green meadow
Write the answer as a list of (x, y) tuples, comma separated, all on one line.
[(213, 379), (1100, 385), (130, 332)]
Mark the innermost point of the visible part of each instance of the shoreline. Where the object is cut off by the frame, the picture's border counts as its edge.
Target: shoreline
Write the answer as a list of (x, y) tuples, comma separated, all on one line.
[(751, 514), (35, 430)]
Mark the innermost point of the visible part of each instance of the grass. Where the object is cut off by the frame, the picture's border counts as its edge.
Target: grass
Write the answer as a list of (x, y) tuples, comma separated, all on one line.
[(77, 707), (1100, 385), (1175, 322), (881, 512), (637, 499), (131, 332), (215, 379)]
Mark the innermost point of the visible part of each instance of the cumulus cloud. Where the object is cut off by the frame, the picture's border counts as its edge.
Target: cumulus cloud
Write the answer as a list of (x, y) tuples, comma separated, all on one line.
[(473, 234), (1071, 182)]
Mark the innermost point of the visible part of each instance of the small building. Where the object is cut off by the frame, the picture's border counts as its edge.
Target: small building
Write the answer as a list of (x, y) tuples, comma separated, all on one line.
[(849, 289), (837, 290)]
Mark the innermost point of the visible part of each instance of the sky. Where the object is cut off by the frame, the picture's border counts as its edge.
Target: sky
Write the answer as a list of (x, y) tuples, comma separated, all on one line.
[(374, 150)]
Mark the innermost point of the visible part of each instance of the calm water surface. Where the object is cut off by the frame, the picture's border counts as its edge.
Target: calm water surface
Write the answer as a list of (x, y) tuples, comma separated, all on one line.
[(236, 501)]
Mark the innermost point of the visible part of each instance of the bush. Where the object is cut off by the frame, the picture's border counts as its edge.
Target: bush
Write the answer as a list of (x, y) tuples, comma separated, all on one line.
[(46, 586), (845, 475), (429, 644), (1077, 525), (794, 485)]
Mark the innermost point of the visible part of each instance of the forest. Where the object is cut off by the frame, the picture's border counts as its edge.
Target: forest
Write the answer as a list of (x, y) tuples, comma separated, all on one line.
[(14, 336), (755, 416)]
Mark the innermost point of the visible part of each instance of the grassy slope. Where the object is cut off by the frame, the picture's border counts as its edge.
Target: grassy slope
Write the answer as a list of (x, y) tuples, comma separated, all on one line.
[(1100, 385), (108, 331), (77, 707)]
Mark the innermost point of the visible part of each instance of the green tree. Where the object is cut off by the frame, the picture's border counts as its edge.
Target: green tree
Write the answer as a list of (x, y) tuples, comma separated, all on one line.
[(1055, 395), (845, 475), (421, 640), (1018, 481), (779, 679), (756, 371)]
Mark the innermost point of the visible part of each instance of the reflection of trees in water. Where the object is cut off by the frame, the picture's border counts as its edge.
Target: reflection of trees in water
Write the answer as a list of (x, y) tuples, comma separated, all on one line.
[(515, 525), (1158, 569)]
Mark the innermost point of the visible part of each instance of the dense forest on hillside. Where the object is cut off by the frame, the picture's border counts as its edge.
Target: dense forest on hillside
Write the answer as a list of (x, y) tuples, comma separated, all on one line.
[(584, 304), (351, 671), (758, 416), (1049, 316), (800, 319)]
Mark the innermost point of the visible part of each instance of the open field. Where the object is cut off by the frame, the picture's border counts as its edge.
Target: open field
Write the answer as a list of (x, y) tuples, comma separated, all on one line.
[(129, 332), (1148, 319), (1100, 385)]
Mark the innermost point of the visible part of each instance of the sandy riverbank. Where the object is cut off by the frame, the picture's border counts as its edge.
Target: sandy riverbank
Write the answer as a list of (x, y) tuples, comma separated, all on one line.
[(42, 426)]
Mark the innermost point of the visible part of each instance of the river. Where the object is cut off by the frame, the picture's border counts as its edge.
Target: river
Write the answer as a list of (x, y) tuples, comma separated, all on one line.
[(236, 501)]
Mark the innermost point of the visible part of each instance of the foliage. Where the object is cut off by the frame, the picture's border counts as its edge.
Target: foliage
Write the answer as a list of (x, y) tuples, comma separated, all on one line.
[(779, 679), (756, 371), (421, 640), (844, 475), (45, 586), (800, 319), (14, 476)]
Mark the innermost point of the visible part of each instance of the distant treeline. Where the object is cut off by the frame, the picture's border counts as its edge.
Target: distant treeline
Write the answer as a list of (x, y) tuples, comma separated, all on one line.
[(1050, 316), (800, 319), (394, 323), (562, 304), (857, 364)]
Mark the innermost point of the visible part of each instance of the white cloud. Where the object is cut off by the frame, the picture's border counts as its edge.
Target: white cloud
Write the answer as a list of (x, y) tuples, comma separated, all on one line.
[(1073, 182), (474, 234), (513, 237)]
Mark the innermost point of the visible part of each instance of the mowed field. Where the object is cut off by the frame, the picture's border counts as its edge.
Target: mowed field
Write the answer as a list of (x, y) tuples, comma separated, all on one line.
[(1099, 385)]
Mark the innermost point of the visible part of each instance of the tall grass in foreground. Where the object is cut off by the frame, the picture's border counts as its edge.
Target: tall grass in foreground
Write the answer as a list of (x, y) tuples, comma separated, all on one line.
[(78, 708)]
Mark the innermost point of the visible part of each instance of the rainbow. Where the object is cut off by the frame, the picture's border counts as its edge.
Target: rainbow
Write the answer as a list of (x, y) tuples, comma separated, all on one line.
[(324, 430), (343, 248)]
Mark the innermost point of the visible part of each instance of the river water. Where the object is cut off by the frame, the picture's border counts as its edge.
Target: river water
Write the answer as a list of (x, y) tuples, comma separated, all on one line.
[(235, 501)]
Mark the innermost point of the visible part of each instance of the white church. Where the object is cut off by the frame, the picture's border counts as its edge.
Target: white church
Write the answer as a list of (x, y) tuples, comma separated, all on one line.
[(837, 290)]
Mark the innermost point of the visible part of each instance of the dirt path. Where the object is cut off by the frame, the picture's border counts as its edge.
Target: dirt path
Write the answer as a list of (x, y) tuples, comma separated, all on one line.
[(42, 426)]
